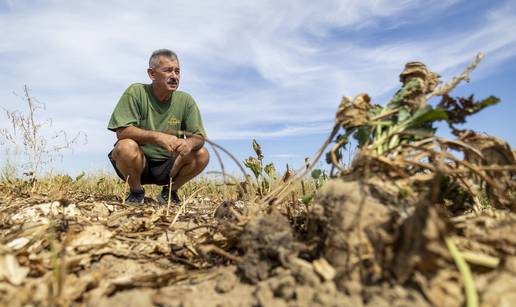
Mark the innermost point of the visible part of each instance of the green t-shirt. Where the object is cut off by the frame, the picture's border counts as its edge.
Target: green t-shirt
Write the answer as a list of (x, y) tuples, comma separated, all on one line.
[(139, 108)]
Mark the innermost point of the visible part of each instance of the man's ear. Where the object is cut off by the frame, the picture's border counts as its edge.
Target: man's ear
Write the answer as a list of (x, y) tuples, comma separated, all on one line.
[(151, 74)]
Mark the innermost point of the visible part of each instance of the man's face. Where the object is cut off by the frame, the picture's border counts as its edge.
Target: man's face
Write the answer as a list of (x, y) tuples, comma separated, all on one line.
[(166, 76)]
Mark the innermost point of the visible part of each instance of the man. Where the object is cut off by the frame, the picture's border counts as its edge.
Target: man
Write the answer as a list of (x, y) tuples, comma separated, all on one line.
[(159, 131)]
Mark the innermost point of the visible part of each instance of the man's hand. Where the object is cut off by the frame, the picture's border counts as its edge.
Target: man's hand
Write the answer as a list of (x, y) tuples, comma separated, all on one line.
[(167, 141), (185, 147), (174, 144)]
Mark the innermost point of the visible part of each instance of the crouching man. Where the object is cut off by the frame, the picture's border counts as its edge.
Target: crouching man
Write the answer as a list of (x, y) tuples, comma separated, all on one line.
[(159, 131)]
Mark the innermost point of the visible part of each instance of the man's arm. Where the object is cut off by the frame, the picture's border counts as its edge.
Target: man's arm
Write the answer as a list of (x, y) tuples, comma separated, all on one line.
[(142, 136), (167, 141)]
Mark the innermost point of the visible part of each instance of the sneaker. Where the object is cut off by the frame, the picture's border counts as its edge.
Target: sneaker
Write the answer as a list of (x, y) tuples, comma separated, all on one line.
[(163, 196), (135, 197)]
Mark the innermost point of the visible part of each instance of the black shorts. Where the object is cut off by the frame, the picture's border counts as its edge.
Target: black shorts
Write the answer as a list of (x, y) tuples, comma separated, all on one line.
[(154, 172)]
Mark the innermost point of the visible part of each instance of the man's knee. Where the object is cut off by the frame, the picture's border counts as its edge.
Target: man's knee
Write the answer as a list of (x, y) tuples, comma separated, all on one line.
[(199, 158), (203, 156), (126, 149)]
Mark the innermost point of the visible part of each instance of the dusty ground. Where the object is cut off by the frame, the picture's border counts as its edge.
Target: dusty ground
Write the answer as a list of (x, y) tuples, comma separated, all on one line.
[(352, 250)]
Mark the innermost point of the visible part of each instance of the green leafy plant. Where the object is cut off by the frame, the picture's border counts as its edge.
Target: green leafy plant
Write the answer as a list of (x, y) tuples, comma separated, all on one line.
[(264, 175), (318, 176)]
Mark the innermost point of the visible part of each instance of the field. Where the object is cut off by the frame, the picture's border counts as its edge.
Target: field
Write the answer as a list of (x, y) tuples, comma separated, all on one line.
[(414, 220)]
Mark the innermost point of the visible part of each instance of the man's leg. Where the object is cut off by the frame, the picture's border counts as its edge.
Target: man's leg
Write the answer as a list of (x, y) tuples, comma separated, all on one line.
[(187, 167), (130, 161)]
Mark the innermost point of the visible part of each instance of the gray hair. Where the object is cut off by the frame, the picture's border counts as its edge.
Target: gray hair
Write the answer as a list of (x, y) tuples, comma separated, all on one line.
[(154, 59)]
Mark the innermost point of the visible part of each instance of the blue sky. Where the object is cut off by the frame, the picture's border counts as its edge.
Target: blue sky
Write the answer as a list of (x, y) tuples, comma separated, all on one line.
[(270, 70)]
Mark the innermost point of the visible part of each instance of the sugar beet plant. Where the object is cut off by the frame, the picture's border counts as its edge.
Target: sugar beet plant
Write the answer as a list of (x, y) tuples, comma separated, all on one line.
[(399, 139), (407, 117), (264, 175)]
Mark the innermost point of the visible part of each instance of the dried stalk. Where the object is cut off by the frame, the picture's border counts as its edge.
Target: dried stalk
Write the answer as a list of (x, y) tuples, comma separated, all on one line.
[(221, 163), (214, 146), (169, 194), (448, 87), (217, 250), (184, 205), (279, 193), (125, 189)]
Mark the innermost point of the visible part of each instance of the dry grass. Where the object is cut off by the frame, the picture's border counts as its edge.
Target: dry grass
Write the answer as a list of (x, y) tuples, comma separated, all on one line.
[(102, 185)]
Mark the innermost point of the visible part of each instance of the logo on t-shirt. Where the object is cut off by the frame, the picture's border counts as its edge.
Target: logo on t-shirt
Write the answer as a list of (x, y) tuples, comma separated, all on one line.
[(173, 126), (174, 122)]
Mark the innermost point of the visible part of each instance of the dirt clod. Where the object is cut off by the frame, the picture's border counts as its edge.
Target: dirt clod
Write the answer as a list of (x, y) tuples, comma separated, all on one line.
[(267, 242)]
